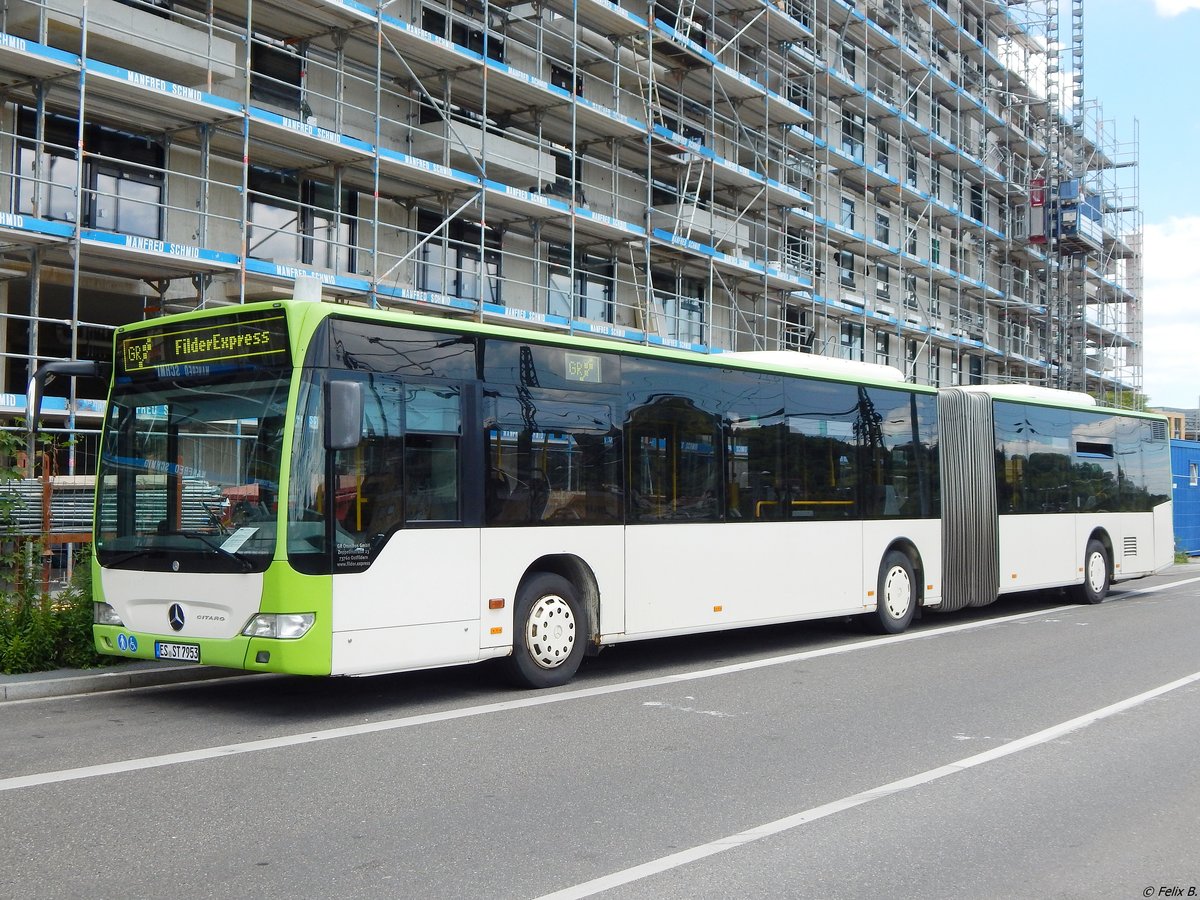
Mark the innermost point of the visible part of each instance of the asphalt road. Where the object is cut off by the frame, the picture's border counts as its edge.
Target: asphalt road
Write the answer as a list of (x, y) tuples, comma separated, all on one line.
[(1032, 749)]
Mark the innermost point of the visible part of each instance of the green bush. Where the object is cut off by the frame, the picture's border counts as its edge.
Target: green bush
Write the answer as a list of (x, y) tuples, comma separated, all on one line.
[(38, 631), (41, 631), (32, 629), (76, 649)]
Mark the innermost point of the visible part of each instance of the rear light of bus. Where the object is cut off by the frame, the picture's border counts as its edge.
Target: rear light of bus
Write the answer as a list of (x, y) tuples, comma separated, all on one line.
[(284, 626), (103, 614)]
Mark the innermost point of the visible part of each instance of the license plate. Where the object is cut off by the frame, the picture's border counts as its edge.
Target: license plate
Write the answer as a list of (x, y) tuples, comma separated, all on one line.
[(184, 652)]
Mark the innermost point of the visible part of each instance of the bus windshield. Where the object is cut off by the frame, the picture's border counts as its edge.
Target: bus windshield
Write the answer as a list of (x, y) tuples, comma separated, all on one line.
[(189, 473)]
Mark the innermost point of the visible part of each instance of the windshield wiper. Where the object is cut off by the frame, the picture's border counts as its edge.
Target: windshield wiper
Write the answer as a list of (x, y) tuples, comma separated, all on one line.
[(215, 516), (207, 541), (131, 554)]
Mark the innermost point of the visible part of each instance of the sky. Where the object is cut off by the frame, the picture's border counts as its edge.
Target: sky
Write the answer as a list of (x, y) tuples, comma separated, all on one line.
[(1142, 63)]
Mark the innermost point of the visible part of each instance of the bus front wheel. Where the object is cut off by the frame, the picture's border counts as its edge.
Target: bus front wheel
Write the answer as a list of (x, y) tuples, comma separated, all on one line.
[(1096, 579), (897, 595), (550, 633)]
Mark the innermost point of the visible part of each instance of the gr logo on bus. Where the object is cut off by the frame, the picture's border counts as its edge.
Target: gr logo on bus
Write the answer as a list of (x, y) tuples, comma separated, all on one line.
[(136, 353)]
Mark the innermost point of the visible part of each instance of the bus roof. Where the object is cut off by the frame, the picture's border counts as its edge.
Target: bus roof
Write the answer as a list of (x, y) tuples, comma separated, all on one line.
[(1044, 396), (1033, 392), (311, 313), (810, 364)]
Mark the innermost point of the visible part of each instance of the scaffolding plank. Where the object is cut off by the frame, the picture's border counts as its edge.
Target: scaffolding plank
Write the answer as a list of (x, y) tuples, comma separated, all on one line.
[(312, 140), (22, 60), (288, 273), (152, 101), (725, 172), (527, 204), (767, 22), (600, 120), (773, 277), (602, 16), (342, 13), (139, 256), (416, 45), (783, 111), (423, 173), (23, 229)]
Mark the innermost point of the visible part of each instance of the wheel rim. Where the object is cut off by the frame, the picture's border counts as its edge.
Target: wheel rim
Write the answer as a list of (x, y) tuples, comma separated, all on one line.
[(1097, 572), (897, 592), (550, 631)]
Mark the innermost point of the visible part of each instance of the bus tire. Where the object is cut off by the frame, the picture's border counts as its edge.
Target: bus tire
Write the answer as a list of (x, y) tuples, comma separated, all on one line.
[(897, 594), (549, 633), (1096, 578)]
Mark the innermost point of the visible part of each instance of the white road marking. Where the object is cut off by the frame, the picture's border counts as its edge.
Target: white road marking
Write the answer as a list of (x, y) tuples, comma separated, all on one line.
[(715, 713), (190, 756), (1159, 587), (683, 857)]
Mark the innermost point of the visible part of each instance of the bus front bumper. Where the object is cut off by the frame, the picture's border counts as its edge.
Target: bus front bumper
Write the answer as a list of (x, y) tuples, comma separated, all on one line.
[(300, 656)]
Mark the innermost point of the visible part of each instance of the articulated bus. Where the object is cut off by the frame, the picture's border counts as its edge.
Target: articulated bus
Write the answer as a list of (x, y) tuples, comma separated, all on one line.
[(319, 489)]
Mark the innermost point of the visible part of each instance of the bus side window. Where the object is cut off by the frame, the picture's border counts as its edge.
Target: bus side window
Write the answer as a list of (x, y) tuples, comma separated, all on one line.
[(754, 437), (367, 489), (564, 474), (382, 490), (822, 450), (433, 430), (673, 465)]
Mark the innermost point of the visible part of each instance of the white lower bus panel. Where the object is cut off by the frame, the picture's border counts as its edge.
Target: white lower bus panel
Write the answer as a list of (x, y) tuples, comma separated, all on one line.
[(699, 577), (1040, 551)]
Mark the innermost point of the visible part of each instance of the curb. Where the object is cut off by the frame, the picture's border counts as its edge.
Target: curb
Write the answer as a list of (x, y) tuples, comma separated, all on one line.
[(90, 683)]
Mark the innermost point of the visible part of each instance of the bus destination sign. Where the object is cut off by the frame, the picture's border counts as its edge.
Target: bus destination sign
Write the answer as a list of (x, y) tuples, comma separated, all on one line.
[(261, 339)]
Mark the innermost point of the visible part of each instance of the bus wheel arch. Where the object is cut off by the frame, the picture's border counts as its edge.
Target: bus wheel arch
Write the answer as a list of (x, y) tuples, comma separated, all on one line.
[(582, 578), (554, 620), (898, 588), (1097, 569)]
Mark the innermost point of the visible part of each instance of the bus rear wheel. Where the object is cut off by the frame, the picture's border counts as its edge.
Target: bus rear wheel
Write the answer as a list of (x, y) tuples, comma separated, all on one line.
[(1096, 578), (549, 633), (897, 594)]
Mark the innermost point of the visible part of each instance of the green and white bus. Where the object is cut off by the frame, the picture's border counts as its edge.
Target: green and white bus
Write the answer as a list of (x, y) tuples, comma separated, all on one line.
[(322, 489)]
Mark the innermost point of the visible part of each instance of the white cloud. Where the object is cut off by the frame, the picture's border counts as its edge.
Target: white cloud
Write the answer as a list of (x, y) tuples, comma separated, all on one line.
[(1171, 294), (1172, 8)]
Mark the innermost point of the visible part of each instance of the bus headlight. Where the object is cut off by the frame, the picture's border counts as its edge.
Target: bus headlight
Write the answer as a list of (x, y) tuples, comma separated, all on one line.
[(103, 614), (285, 626)]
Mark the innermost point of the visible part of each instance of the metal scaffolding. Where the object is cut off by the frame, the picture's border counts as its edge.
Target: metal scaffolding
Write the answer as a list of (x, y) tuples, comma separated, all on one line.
[(883, 180)]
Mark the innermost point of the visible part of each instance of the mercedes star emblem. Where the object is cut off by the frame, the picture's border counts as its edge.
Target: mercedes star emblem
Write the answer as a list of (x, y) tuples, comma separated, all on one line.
[(175, 616)]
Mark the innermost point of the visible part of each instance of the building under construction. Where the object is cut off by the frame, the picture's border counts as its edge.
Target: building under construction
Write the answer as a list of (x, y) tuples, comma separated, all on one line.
[(916, 183)]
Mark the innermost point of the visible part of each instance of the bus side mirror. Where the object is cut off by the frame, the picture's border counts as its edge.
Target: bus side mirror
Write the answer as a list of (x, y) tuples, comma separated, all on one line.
[(343, 414), (74, 368)]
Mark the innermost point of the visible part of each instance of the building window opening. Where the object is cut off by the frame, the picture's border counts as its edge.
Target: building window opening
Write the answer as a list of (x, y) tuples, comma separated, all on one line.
[(465, 34), (845, 263), (852, 341), (853, 134), (276, 73), (451, 262), (583, 291), (848, 213), (883, 281), (882, 348), (122, 176), (681, 304), (797, 332), (883, 228), (297, 220), (561, 77)]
